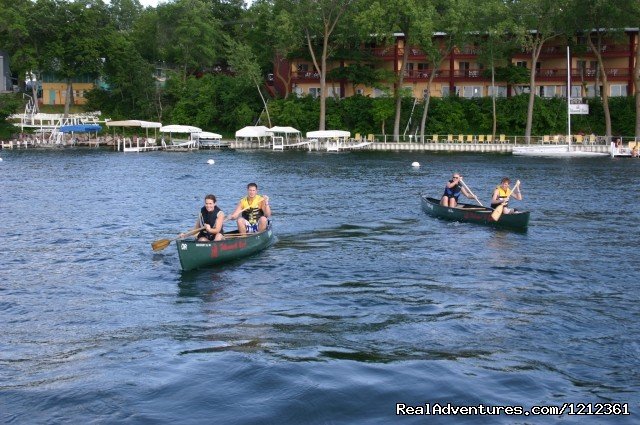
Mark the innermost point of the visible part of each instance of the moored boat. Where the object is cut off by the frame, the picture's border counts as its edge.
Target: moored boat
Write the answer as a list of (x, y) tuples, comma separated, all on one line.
[(474, 214), (194, 255)]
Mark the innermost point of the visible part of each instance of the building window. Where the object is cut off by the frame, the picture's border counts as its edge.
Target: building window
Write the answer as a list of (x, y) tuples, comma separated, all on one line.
[(471, 91), (576, 91), (501, 91), (618, 90), (314, 91), (522, 64), (360, 92), (547, 91), (379, 93), (590, 90)]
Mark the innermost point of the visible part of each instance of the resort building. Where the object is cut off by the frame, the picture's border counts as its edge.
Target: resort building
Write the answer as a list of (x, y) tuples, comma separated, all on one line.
[(54, 89), (463, 73)]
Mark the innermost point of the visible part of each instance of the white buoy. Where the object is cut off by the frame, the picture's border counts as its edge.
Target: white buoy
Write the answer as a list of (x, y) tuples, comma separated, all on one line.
[(0, 159), (415, 164), (211, 162)]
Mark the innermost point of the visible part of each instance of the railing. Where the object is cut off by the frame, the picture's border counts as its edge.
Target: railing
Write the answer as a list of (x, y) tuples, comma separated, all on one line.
[(500, 139)]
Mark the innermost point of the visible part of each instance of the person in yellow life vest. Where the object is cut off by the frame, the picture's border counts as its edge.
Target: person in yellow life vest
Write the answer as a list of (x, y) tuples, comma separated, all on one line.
[(501, 193), (253, 211)]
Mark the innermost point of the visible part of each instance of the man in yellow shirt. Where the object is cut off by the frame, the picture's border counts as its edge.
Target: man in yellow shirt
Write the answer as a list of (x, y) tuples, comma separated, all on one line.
[(252, 212)]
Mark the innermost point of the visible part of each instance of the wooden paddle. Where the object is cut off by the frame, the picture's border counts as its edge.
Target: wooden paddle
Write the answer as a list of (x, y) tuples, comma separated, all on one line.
[(161, 244), (495, 215), (474, 196)]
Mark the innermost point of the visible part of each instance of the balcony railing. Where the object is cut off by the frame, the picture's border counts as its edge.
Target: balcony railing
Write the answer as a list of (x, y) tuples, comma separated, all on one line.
[(542, 74)]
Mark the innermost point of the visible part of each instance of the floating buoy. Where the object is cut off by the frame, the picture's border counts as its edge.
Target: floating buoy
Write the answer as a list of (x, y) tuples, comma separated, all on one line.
[(415, 164), (211, 162), (0, 159)]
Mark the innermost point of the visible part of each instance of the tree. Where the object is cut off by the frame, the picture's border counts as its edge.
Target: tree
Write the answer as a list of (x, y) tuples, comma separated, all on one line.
[(536, 22), (598, 19), (383, 20), (244, 63), (496, 44), (189, 36), (453, 19), (319, 21)]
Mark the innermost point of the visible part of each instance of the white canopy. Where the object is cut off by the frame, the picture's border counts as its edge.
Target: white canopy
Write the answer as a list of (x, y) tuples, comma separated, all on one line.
[(328, 134), (207, 136), (180, 129), (252, 131), (288, 130), (134, 123)]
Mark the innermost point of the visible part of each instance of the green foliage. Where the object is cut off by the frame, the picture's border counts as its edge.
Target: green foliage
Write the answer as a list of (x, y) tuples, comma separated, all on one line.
[(9, 104)]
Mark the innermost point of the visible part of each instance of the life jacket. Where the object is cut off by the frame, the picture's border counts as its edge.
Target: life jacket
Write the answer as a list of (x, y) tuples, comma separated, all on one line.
[(252, 211), (452, 192), (210, 218), (502, 196)]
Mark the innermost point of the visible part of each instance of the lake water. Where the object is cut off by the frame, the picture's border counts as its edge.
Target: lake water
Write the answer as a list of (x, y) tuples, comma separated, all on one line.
[(363, 302)]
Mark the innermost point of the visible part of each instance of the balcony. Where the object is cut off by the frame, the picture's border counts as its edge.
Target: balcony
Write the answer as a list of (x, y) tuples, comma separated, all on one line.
[(581, 74), (305, 76)]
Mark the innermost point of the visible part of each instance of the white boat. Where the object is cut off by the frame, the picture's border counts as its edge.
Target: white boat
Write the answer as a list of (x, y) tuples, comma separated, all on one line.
[(554, 151), (331, 140)]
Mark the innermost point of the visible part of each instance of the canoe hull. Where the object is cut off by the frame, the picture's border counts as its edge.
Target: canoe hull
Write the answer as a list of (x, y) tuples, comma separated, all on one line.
[(474, 214), (195, 255)]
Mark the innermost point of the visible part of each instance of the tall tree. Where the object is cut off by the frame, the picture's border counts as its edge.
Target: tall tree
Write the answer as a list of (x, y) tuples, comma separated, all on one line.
[(495, 43), (383, 20), (244, 63), (537, 22), (189, 35), (319, 21), (454, 22), (599, 20)]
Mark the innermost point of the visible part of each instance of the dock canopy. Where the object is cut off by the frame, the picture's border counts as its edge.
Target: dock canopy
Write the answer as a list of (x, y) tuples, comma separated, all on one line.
[(80, 128), (134, 123), (258, 131), (285, 130), (205, 135), (180, 129), (328, 134)]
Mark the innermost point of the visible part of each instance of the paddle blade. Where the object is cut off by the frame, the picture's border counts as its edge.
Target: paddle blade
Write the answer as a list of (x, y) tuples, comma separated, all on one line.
[(161, 244), (495, 215)]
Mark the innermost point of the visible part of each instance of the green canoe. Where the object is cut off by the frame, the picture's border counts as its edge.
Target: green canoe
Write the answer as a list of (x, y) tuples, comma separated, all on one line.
[(194, 255), (475, 214)]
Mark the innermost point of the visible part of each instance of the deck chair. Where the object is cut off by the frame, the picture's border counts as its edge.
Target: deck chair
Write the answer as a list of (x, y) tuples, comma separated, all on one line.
[(592, 139), (578, 138), (460, 138), (357, 137), (489, 138), (450, 138), (503, 138), (545, 140), (480, 138), (556, 139), (434, 138), (469, 138), (370, 138)]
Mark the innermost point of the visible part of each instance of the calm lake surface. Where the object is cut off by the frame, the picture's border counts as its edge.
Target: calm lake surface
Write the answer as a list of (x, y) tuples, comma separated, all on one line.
[(363, 302)]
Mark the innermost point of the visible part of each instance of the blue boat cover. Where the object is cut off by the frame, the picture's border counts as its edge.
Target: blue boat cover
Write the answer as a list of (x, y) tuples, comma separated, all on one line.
[(80, 128)]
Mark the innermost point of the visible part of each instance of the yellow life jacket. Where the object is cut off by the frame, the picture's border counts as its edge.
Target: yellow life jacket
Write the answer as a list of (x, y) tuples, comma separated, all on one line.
[(252, 211)]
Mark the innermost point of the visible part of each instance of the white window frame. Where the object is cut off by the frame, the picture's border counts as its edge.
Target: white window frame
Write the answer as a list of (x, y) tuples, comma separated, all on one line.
[(469, 92), (500, 92), (314, 92), (617, 90)]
